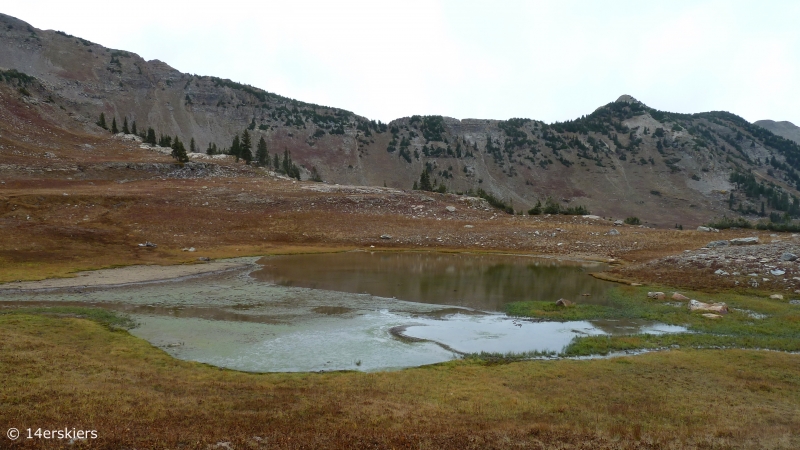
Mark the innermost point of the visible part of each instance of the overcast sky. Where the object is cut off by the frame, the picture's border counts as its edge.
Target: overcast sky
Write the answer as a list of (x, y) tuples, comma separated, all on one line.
[(546, 60)]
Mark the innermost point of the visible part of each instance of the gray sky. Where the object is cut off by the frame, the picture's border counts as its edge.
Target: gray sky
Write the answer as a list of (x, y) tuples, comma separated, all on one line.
[(546, 60)]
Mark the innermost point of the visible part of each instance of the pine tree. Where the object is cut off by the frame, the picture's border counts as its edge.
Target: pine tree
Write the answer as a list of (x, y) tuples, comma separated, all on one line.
[(234, 150), (210, 149), (151, 136), (246, 147), (425, 181), (114, 129), (102, 122), (133, 128), (315, 176), (192, 147), (287, 162), (276, 162), (179, 151), (262, 155), (125, 127)]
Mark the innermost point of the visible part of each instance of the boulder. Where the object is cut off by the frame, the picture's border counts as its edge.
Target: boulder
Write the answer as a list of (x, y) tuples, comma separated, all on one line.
[(613, 232), (148, 244), (776, 297), (715, 244), (744, 241), (451, 209), (656, 295), (777, 272), (564, 302), (386, 236), (711, 316), (618, 223), (788, 257), (679, 296), (719, 308), (592, 217), (705, 229)]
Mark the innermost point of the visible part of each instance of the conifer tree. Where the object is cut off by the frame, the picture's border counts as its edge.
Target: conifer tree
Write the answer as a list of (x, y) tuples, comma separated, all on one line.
[(210, 149), (133, 128), (102, 122), (262, 155), (192, 147), (151, 136), (125, 126), (114, 129), (234, 150), (425, 181), (246, 147), (179, 151), (276, 162)]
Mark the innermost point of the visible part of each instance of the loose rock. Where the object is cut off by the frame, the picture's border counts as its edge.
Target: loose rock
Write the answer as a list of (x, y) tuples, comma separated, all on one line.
[(613, 232), (744, 241), (788, 257), (715, 244), (679, 296), (564, 302), (776, 297), (711, 316), (720, 308), (656, 295), (386, 236)]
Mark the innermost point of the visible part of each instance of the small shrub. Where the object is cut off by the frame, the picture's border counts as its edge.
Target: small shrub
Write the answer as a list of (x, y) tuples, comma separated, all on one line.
[(633, 220)]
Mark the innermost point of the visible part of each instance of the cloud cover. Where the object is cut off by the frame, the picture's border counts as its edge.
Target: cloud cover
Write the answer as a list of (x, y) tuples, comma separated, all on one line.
[(547, 60)]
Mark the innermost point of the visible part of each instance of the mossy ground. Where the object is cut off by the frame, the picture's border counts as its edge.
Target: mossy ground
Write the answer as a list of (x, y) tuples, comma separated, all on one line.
[(754, 322)]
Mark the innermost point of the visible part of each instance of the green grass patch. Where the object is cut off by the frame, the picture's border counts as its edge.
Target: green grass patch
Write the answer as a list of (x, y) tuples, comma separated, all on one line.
[(753, 322), (104, 317)]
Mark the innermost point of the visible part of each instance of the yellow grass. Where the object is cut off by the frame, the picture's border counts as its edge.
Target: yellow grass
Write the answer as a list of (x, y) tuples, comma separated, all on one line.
[(67, 372)]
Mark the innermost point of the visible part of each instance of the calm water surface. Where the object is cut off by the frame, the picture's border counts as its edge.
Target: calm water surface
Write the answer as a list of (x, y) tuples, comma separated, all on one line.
[(356, 311)]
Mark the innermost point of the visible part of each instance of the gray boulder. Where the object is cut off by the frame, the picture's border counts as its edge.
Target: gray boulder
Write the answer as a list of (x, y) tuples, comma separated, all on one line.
[(744, 241), (788, 257), (613, 232), (715, 244)]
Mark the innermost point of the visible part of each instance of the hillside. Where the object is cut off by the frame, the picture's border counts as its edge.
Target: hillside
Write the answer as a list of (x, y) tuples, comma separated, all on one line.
[(784, 129), (624, 159)]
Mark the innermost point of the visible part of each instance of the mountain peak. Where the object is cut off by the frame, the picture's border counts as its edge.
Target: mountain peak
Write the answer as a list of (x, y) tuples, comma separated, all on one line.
[(625, 98)]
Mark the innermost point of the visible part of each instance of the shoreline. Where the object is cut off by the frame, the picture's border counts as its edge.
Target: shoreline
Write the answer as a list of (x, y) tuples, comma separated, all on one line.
[(124, 276)]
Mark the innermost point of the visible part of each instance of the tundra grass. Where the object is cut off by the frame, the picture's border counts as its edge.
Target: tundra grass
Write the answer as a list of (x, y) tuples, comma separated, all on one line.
[(753, 322), (60, 371)]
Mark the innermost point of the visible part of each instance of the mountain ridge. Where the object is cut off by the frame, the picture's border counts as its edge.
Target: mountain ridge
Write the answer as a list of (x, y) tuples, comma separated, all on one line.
[(623, 159)]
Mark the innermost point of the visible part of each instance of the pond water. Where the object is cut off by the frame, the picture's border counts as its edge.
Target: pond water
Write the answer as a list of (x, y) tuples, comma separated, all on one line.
[(353, 311)]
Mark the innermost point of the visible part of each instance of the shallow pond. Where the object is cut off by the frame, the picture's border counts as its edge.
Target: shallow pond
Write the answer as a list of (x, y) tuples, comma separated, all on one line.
[(356, 310)]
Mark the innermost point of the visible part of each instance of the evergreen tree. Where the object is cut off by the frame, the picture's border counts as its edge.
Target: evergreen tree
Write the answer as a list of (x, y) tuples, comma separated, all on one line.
[(114, 129), (192, 147), (425, 181), (276, 162), (133, 128), (315, 176), (102, 122), (151, 136), (210, 149), (762, 214), (262, 156), (287, 161), (246, 147), (234, 150), (179, 151), (125, 127)]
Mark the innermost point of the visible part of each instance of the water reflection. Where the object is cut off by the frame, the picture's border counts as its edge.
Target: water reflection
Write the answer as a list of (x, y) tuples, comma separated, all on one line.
[(484, 282)]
